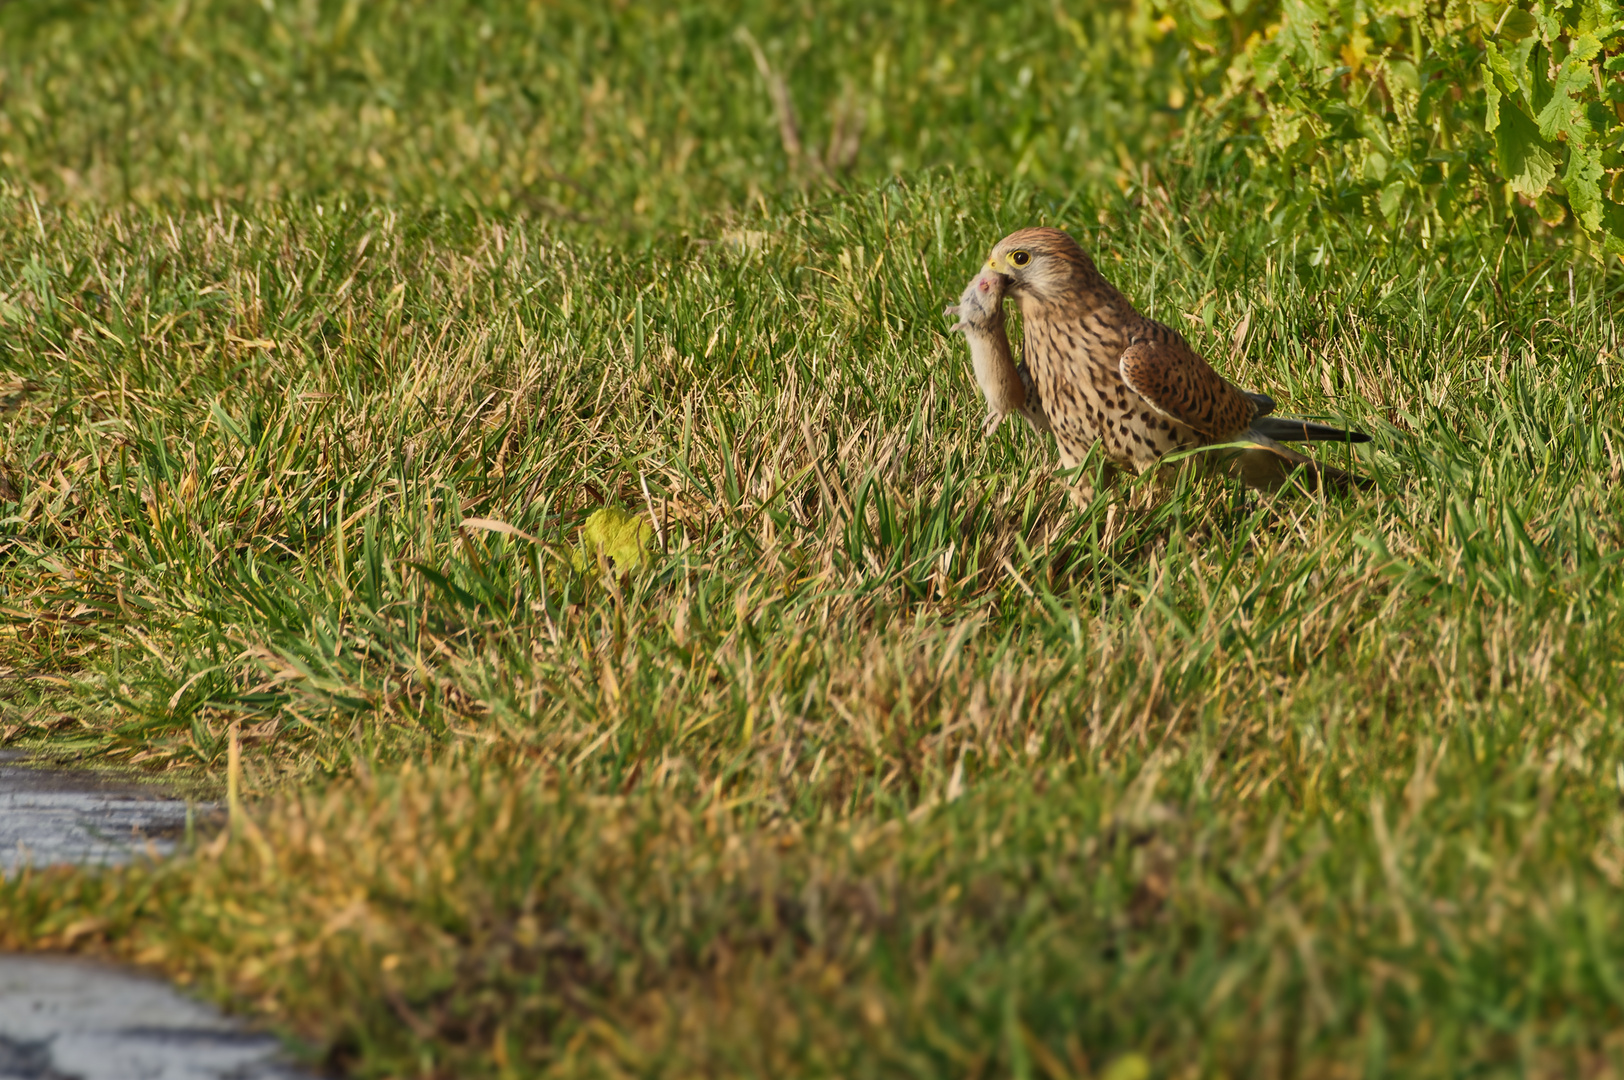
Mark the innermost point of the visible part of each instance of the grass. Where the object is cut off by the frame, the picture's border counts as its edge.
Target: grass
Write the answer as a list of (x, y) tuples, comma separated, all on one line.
[(891, 760), (628, 117)]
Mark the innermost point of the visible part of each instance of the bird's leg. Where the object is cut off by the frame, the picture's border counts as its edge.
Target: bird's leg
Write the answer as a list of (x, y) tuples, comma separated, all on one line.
[(1113, 526), (990, 424), (1085, 494), (1082, 489), (1154, 489)]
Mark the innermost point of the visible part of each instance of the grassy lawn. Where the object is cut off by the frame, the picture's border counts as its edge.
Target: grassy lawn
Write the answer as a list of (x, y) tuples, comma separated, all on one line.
[(886, 759)]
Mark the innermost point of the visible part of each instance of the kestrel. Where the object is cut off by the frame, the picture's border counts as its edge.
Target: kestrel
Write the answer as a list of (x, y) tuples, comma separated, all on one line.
[(1007, 388), (1105, 373)]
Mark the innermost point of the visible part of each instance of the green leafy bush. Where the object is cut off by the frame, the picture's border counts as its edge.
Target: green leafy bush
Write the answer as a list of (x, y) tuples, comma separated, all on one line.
[(1420, 113)]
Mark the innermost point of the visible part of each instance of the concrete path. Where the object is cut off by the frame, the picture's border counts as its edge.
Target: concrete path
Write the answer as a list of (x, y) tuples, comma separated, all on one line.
[(63, 1018), (50, 816)]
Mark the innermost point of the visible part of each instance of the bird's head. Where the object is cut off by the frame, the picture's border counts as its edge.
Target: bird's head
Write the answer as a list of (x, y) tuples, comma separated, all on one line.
[(1044, 265)]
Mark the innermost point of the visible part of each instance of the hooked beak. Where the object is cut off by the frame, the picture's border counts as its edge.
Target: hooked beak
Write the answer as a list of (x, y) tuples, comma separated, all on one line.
[(1012, 284)]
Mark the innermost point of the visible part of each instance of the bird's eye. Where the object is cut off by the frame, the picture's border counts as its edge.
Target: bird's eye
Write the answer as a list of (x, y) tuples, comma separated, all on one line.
[(1020, 258)]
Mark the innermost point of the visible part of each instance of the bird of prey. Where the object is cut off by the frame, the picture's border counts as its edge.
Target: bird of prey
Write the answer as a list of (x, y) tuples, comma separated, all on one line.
[(1105, 373)]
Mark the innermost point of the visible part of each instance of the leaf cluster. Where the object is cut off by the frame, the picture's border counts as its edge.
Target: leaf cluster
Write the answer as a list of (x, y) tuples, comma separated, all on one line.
[(1422, 116)]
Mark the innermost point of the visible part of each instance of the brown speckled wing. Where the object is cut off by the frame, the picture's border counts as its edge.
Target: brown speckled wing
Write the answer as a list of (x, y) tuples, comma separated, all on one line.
[(1179, 383)]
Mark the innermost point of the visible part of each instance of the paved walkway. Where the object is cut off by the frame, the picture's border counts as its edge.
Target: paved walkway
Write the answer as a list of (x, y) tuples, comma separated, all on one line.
[(63, 1018), (69, 816)]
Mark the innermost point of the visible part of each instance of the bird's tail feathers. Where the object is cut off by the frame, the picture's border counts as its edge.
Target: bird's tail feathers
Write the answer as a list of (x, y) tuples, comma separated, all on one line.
[(1264, 403), (1294, 430)]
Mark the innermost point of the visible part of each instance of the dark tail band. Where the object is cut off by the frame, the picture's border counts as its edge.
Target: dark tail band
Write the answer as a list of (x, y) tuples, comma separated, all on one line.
[(1286, 429)]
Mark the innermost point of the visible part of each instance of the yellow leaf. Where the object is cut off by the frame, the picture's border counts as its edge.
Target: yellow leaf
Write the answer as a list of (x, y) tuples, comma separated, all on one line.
[(1131, 1066), (623, 538)]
